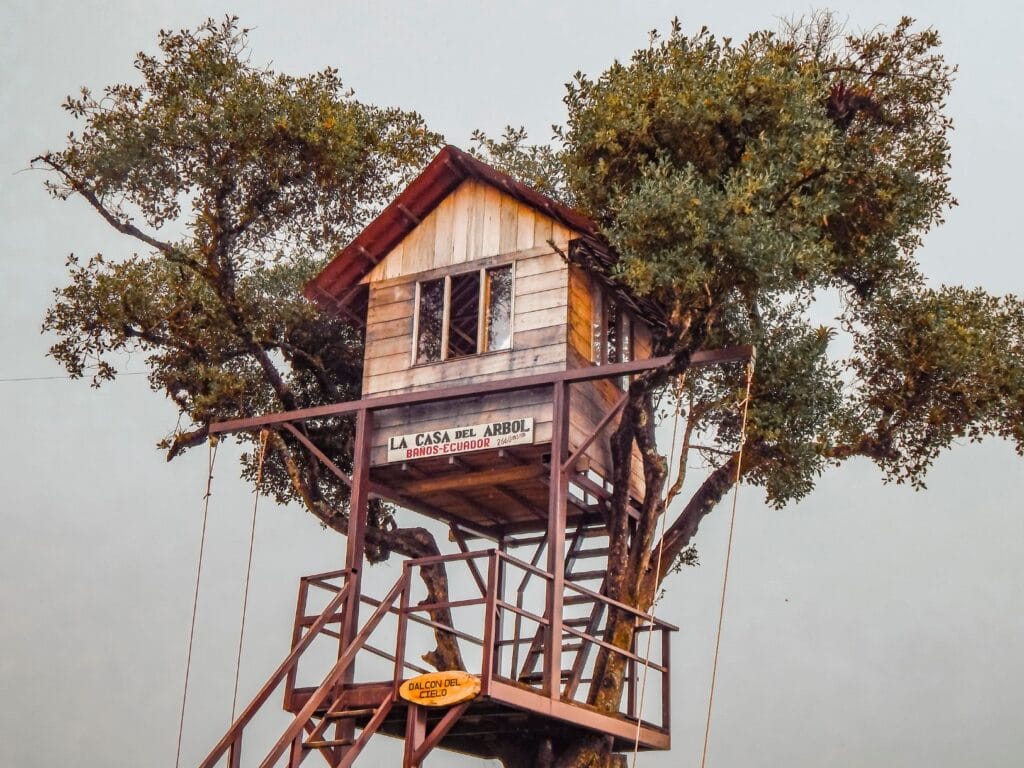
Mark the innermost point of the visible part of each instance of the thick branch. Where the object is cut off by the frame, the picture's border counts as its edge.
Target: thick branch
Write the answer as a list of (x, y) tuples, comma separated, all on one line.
[(409, 542), (122, 226)]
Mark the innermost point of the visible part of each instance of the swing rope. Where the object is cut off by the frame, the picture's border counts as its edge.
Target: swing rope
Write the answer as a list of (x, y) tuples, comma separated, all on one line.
[(264, 434), (658, 566), (657, 580), (211, 458), (728, 558)]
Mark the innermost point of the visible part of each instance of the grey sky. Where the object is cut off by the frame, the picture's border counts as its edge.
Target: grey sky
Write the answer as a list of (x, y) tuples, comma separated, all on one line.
[(868, 625)]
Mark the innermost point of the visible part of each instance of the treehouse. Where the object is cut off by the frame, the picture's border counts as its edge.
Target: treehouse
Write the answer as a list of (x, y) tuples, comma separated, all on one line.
[(463, 282), (494, 374)]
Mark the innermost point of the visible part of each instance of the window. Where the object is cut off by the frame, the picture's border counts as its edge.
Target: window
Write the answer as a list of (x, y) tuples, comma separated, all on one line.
[(464, 314), (612, 337)]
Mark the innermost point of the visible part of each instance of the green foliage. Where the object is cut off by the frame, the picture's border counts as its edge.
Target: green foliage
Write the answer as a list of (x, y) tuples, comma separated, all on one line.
[(741, 183), (738, 184), (538, 165), (933, 366), (239, 182)]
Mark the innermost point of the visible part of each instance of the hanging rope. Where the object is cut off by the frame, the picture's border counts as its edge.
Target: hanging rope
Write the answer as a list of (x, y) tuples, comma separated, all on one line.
[(657, 580), (264, 434), (728, 558), (211, 458)]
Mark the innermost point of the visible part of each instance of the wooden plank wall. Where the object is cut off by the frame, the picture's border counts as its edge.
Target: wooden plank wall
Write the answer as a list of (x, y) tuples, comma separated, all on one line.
[(475, 226), (592, 400), (473, 222)]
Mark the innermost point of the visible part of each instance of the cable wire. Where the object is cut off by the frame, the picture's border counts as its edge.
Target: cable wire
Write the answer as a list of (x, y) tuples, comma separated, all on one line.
[(210, 460), (728, 559), (248, 568)]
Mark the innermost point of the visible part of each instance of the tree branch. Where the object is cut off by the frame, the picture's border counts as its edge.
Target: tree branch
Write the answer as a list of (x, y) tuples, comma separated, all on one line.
[(122, 226)]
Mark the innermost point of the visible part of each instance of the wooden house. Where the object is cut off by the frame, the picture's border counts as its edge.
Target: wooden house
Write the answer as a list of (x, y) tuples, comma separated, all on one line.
[(463, 280), (494, 373)]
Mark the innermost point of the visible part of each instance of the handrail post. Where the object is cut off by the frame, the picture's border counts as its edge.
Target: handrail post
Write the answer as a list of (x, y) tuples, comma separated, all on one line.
[(300, 613), (557, 509), (666, 677), (491, 636), (403, 625)]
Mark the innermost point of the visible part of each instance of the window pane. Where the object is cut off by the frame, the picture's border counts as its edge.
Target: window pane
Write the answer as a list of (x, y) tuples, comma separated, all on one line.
[(499, 308), (611, 331), (626, 339), (430, 321), (464, 319)]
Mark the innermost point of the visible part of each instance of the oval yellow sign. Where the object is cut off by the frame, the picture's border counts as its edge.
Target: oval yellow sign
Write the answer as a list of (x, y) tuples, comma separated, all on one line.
[(440, 689)]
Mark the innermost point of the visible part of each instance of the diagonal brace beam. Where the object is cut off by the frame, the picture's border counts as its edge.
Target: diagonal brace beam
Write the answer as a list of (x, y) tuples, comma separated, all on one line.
[(619, 404), (438, 732)]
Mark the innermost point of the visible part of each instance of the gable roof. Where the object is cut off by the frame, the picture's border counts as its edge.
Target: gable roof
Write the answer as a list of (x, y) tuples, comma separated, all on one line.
[(338, 288), (449, 168)]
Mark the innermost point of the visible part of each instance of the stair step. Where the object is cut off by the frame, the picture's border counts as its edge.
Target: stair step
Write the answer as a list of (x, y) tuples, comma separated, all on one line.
[(578, 600), (579, 621), (585, 553), (536, 677), (346, 713), (572, 647), (328, 743), (585, 575)]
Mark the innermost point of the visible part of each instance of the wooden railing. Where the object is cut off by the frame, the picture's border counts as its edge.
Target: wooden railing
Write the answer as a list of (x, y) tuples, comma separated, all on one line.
[(494, 583), (307, 630), (488, 622)]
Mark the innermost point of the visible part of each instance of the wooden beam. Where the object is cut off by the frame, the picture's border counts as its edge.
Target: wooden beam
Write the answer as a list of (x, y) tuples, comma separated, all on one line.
[(436, 394), (521, 501), (473, 479)]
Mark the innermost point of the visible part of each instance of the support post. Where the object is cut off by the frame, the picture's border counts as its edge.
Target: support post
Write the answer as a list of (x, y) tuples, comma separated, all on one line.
[(492, 631), (415, 734), (354, 554), (357, 513), (557, 504)]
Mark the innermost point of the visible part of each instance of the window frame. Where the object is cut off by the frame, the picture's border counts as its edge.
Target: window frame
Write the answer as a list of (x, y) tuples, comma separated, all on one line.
[(625, 334), (482, 304)]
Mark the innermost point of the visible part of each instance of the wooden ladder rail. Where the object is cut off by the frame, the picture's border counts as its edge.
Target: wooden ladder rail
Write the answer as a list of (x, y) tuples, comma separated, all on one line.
[(535, 652), (348, 756), (232, 741), (292, 737)]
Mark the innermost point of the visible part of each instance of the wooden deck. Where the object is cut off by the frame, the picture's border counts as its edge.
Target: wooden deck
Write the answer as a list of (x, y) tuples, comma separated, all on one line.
[(506, 710), (499, 492)]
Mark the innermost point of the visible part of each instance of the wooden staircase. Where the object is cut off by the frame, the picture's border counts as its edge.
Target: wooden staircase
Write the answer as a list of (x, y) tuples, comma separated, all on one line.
[(340, 714)]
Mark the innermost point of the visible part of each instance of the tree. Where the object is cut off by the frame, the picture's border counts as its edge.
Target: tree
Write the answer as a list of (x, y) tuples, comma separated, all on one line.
[(239, 183), (737, 187)]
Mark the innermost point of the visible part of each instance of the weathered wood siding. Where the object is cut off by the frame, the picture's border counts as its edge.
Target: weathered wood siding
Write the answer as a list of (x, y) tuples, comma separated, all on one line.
[(473, 222), (592, 400), (476, 226), (552, 322)]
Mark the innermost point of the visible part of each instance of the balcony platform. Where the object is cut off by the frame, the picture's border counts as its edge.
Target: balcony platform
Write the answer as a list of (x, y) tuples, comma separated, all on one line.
[(508, 709)]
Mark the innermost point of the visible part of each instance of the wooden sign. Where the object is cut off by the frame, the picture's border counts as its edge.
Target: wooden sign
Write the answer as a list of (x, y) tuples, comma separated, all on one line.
[(460, 439), (440, 689)]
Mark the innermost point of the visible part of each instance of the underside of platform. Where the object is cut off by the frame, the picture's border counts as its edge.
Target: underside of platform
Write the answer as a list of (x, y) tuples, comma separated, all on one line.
[(507, 712)]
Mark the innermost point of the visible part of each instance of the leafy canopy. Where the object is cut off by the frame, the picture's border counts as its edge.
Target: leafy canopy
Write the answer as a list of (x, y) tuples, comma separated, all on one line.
[(238, 182), (743, 190), (749, 189)]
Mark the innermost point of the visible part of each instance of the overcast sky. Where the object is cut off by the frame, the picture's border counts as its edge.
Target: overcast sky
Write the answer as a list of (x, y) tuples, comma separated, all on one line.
[(867, 625)]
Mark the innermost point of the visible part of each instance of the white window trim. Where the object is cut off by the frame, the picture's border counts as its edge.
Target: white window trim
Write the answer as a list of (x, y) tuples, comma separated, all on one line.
[(446, 314)]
